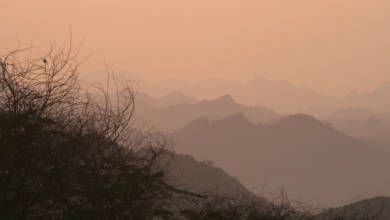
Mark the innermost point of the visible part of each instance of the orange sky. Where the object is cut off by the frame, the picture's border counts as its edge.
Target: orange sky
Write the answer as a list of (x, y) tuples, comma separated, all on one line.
[(333, 46)]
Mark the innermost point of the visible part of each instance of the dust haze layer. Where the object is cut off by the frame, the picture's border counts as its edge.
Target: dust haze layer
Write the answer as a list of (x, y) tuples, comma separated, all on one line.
[(213, 48), (333, 46)]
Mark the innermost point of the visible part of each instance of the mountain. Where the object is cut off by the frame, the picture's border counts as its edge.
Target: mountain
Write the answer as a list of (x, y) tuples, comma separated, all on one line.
[(280, 95), (374, 101), (312, 160), (283, 96), (374, 208), (177, 116), (202, 177), (377, 99), (364, 124), (352, 113), (164, 101)]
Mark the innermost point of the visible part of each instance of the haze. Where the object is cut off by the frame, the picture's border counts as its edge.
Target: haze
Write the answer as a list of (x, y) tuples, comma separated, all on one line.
[(243, 97), (332, 46)]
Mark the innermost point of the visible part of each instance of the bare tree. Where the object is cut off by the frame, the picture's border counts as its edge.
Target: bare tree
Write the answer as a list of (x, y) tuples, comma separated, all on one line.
[(70, 152)]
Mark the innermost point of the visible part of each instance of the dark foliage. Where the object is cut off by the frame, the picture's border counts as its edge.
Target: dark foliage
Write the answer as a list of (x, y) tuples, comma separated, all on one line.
[(66, 154)]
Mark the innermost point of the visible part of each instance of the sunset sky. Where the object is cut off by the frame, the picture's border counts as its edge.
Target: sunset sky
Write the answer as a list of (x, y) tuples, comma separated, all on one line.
[(333, 46)]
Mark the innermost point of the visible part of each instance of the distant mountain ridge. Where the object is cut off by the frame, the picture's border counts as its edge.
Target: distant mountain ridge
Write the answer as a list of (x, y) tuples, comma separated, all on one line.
[(175, 117), (282, 96), (352, 113), (174, 98), (377, 208), (364, 124), (310, 158)]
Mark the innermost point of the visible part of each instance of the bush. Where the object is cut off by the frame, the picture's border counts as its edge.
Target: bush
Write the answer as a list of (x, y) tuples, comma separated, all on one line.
[(66, 152)]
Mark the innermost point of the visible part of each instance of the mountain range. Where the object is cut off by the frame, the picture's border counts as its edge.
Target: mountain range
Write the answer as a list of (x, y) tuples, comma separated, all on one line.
[(377, 208), (176, 116), (281, 96), (174, 98), (194, 176), (311, 159), (364, 124), (330, 160)]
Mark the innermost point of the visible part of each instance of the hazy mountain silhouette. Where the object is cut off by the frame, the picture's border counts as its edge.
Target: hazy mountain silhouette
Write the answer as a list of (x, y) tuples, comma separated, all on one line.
[(280, 95), (377, 99), (177, 116), (364, 124), (310, 158), (205, 89), (378, 207), (202, 177), (352, 113), (166, 100)]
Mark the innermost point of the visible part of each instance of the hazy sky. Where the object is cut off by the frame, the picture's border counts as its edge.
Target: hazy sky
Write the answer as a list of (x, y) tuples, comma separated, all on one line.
[(331, 45)]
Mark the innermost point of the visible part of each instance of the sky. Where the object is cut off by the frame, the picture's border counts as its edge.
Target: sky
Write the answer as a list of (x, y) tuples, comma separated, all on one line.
[(332, 46)]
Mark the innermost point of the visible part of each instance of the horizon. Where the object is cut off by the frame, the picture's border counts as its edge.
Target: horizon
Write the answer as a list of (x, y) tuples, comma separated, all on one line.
[(136, 78), (333, 47)]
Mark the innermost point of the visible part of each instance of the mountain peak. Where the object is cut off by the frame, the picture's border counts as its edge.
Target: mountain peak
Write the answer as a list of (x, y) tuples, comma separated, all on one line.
[(225, 99), (301, 117), (300, 120), (176, 94), (197, 123), (235, 119), (236, 116)]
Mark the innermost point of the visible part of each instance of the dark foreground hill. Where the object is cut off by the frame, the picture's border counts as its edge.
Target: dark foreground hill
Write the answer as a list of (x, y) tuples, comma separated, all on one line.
[(195, 176), (313, 161)]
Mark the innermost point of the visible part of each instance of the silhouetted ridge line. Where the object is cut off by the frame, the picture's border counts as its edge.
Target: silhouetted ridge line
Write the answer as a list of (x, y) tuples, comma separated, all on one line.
[(310, 158), (177, 116), (302, 120)]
